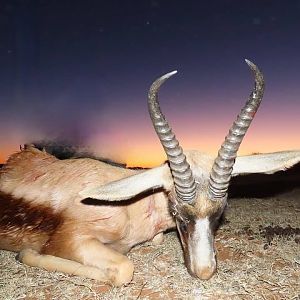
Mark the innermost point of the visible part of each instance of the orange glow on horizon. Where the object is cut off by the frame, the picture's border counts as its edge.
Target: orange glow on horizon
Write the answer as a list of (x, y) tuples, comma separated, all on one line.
[(157, 158), (142, 148), (154, 156), (6, 152)]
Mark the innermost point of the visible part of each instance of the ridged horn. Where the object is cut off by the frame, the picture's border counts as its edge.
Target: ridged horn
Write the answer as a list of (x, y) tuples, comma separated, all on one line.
[(222, 168), (185, 185)]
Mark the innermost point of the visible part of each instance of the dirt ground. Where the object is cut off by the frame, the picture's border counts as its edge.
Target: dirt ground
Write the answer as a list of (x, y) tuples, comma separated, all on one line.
[(258, 252)]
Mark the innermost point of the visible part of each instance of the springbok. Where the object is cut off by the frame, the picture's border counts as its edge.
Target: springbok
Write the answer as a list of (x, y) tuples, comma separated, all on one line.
[(59, 216)]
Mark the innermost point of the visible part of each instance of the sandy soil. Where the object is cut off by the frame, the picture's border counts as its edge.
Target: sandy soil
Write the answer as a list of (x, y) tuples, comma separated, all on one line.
[(258, 258)]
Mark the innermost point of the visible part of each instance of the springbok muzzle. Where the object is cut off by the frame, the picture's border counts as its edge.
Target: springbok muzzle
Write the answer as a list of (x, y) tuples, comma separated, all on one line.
[(205, 272), (202, 260)]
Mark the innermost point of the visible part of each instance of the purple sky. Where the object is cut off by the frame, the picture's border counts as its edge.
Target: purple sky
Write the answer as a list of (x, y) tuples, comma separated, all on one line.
[(80, 71)]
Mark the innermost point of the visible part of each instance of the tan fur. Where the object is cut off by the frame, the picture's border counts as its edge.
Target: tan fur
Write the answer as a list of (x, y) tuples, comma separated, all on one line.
[(92, 235), (198, 244), (117, 272), (46, 213)]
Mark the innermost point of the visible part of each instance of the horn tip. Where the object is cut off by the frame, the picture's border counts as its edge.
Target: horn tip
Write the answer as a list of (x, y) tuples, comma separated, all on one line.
[(164, 77), (158, 82), (258, 75), (168, 75), (250, 64)]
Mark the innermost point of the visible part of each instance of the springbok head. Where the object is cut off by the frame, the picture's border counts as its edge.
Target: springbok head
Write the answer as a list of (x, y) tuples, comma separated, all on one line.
[(198, 201), (195, 183)]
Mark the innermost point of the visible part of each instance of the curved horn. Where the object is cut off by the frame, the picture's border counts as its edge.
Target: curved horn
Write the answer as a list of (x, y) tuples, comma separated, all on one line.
[(222, 167), (184, 181)]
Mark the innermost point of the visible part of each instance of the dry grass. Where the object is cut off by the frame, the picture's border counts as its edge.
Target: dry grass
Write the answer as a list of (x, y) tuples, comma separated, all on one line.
[(248, 267)]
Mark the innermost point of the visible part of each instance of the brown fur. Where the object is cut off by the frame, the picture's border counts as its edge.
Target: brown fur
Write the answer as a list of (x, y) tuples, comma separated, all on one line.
[(23, 225), (48, 189), (41, 214), (47, 215)]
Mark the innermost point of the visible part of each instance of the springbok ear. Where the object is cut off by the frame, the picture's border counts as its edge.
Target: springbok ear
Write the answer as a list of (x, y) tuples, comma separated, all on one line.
[(131, 186), (268, 163)]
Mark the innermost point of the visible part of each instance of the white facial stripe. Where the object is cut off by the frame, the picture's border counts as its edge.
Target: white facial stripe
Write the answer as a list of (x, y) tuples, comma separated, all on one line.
[(201, 246)]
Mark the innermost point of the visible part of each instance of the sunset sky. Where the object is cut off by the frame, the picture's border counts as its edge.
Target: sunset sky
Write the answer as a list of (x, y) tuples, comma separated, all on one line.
[(80, 71)]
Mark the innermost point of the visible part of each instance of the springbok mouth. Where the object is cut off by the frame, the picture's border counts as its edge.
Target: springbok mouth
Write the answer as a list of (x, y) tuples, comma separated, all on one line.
[(204, 274)]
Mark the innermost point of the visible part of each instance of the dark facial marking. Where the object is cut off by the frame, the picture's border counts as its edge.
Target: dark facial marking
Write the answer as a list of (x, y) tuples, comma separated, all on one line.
[(215, 219), (183, 227), (185, 230)]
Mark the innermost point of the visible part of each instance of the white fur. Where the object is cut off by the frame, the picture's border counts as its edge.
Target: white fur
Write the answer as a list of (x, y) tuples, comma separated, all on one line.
[(201, 247), (267, 163)]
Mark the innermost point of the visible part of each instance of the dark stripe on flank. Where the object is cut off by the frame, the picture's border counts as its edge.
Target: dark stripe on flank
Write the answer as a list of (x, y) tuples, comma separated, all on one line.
[(21, 216)]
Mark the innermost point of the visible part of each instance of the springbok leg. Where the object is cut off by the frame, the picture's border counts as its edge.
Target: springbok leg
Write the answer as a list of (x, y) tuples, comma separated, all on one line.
[(93, 260)]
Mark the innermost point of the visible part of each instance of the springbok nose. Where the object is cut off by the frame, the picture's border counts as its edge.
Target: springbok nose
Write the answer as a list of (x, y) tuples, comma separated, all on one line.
[(205, 272)]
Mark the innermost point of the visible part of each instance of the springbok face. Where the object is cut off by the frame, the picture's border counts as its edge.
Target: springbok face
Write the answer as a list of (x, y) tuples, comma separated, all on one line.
[(196, 225), (195, 183), (198, 203)]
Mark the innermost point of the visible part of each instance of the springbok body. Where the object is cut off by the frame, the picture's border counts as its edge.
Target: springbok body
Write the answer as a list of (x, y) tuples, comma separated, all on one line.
[(57, 213), (40, 210)]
